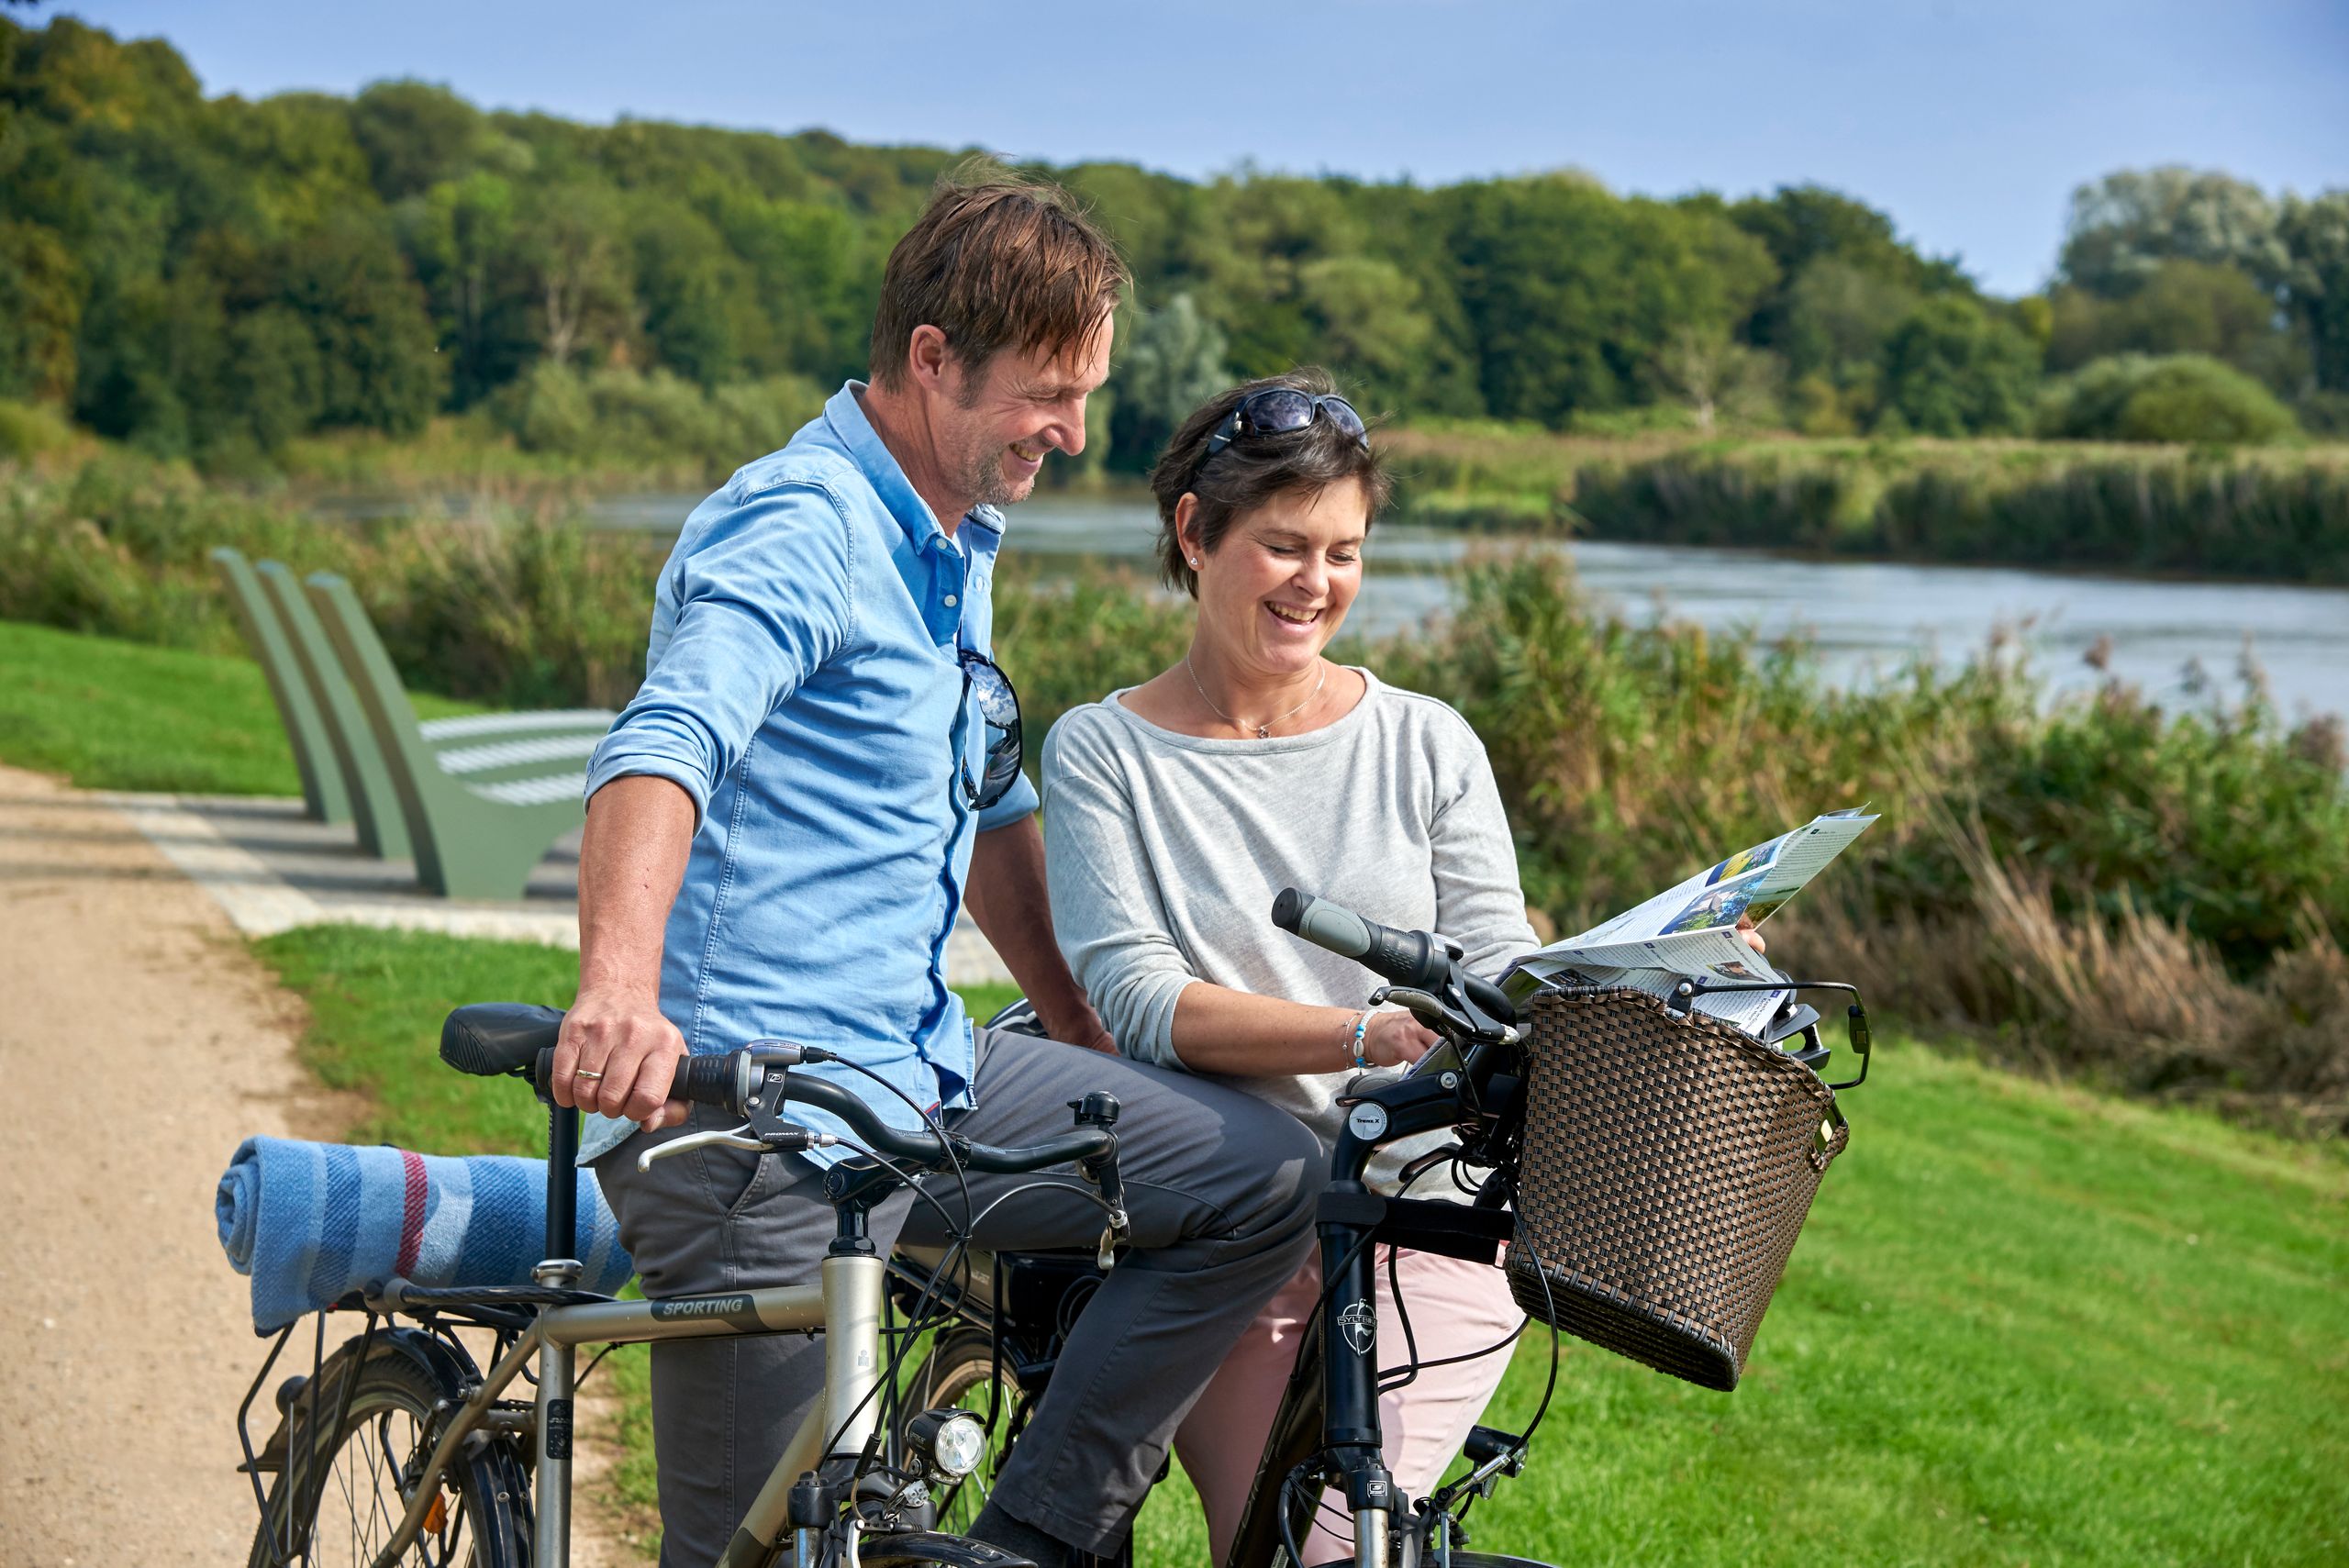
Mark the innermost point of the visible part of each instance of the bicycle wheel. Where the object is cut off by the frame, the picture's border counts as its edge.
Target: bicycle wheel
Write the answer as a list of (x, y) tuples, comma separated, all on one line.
[(926, 1550), (1459, 1560), (960, 1373), (346, 1484)]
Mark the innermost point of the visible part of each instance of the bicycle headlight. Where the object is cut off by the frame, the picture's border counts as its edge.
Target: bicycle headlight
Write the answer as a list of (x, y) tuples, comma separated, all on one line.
[(954, 1441)]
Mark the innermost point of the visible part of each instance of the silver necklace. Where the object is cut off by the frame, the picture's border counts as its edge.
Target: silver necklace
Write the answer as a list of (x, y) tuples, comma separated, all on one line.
[(1263, 730)]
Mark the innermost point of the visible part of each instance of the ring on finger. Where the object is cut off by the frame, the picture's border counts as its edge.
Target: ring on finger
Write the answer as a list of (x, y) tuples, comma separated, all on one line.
[(583, 1073)]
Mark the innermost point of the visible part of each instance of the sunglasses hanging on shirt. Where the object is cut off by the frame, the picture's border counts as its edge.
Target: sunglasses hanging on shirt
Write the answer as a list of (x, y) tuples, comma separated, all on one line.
[(999, 707)]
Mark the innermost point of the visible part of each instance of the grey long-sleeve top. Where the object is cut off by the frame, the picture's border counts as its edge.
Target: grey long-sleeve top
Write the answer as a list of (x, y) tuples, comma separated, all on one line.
[(1164, 852)]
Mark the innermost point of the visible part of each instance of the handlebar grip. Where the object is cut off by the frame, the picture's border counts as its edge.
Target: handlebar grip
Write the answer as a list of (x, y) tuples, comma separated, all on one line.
[(705, 1080), (708, 1080), (1322, 923), (1405, 958)]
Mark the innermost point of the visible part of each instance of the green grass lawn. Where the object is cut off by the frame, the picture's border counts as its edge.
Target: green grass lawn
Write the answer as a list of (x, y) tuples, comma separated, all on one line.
[(107, 714), (2026, 1324)]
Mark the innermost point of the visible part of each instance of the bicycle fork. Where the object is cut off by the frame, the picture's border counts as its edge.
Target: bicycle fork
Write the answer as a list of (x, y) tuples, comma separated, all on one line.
[(1350, 1376)]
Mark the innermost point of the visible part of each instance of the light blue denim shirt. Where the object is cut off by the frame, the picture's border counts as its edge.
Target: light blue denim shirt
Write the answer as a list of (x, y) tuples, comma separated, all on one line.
[(804, 686)]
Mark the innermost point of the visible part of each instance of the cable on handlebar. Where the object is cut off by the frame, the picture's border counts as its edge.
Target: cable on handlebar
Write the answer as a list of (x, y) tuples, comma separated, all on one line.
[(961, 1177), (733, 1081)]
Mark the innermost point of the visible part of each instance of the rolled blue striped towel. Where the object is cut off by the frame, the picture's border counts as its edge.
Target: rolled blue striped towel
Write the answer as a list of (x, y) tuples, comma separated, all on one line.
[(311, 1222)]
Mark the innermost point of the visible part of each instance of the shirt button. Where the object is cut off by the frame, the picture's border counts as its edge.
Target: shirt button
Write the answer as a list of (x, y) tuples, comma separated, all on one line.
[(951, 601)]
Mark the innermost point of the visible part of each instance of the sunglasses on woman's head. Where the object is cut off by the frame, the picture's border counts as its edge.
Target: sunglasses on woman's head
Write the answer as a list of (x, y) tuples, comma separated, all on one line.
[(1279, 410), (999, 707)]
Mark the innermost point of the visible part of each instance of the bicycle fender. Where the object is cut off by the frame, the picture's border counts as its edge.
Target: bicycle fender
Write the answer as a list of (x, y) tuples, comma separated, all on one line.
[(446, 1364), (451, 1369)]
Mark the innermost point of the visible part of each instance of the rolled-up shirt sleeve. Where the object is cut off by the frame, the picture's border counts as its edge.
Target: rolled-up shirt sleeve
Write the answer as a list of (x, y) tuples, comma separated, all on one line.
[(762, 598), (1107, 911)]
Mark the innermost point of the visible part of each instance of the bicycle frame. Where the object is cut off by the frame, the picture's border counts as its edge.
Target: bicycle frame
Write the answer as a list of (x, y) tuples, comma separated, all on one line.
[(548, 1321), (1330, 1405), (845, 1307)]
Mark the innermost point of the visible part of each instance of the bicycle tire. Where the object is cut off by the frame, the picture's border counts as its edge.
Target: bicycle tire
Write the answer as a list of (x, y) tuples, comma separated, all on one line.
[(1459, 1560), (352, 1474), (959, 1372), (928, 1550)]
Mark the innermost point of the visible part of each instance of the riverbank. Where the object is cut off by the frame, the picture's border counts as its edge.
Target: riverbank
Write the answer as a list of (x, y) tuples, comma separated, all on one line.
[(2274, 515), (2150, 894), (2251, 514), (1989, 1272)]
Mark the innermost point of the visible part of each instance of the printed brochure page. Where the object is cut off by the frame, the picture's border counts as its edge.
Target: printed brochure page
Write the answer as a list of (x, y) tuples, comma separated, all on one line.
[(1690, 932)]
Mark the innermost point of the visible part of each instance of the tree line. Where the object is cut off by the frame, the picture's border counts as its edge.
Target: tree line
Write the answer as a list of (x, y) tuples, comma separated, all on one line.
[(215, 277)]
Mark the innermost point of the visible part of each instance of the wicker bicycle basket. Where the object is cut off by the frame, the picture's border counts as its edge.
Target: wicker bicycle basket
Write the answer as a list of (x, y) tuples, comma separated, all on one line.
[(1669, 1163)]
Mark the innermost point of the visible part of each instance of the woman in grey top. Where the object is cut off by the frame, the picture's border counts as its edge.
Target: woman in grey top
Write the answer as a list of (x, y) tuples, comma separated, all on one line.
[(1174, 810)]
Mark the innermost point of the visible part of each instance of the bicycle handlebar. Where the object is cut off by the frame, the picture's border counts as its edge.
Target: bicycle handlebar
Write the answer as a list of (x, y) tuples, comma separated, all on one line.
[(921, 1147), (734, 1081), (1411, 959)]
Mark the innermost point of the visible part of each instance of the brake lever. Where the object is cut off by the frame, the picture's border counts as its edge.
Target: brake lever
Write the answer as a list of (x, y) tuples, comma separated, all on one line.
[(732, 1137), (787, 1138), (1424, 1006), (1465, 1022)]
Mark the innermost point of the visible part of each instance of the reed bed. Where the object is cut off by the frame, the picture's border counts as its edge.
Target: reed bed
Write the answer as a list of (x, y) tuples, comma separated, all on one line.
[(2281, 515)]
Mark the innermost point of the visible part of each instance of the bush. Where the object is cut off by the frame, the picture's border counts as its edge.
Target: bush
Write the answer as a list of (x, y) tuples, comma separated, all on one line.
[(2325, 414), (2188, 398), (660, 420), (2156, 900), (519, 611), (33, 430), (1952, 369)]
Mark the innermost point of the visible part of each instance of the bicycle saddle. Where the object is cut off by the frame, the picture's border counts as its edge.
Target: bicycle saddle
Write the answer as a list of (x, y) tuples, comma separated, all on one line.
[(492, 1040)]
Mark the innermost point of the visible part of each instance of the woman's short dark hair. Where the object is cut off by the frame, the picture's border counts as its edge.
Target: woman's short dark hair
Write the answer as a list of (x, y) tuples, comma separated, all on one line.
[(1253, 470)]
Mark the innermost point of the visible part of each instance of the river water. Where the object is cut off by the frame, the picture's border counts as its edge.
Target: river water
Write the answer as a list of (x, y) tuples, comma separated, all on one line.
[(1866, 618)]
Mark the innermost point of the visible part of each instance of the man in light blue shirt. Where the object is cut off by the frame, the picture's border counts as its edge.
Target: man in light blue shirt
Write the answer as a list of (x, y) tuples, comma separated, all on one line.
[(781, 830)]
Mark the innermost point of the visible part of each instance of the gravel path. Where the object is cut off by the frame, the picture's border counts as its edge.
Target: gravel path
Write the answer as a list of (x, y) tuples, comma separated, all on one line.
[(143, 1042)]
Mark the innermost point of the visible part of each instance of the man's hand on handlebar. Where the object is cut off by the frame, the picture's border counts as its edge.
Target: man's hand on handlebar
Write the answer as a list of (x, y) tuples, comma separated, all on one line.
[(620, 1055)]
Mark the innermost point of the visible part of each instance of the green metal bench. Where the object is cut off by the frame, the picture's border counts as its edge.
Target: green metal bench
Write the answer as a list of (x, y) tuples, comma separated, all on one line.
[(329, 734), (511, 759), (484, 796), (326, 792)]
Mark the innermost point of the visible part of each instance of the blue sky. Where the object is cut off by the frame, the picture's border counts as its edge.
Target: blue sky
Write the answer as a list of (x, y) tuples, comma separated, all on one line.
[(1968, 120)]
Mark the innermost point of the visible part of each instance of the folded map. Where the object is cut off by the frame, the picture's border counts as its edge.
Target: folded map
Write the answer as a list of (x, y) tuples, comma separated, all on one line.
[(1689, 931)]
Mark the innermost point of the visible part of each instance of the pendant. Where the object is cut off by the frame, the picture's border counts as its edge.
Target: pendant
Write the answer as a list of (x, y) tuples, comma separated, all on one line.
[(1264, 732)]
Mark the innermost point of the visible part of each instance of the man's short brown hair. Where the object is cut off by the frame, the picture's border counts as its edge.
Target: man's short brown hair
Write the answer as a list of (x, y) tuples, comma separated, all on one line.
[(995, 261)]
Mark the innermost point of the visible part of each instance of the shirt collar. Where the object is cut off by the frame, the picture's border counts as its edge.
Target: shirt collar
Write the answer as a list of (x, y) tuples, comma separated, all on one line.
[(862, 442)]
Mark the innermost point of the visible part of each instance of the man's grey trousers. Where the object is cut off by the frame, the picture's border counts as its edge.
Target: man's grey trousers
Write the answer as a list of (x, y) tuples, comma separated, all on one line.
[(1221, 1189)]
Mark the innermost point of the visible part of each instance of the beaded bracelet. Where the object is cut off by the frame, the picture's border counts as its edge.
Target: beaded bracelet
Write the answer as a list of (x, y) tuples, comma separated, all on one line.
[(1362, 1028)]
